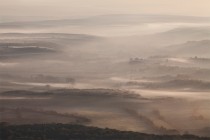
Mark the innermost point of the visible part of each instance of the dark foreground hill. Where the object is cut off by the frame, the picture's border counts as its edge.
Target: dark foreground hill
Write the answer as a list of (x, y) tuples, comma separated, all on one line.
[(78, 132)]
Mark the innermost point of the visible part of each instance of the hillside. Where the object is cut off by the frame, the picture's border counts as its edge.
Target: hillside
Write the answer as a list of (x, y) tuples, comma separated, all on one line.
[(78, 132), (191, 48)]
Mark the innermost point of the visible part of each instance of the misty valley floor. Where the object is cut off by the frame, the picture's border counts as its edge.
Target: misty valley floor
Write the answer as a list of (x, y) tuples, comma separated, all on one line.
[(140, 73), (107, 108)]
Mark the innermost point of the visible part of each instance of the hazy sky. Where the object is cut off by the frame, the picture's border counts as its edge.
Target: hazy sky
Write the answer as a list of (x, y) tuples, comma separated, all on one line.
[(97, 7)]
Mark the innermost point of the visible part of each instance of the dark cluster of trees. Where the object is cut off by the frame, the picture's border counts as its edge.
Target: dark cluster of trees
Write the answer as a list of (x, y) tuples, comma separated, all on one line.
[(51, 79), (77, 132)]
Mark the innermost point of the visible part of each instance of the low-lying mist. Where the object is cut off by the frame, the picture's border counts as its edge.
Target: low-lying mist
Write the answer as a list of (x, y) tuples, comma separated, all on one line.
[(107, 108), (149, 75)]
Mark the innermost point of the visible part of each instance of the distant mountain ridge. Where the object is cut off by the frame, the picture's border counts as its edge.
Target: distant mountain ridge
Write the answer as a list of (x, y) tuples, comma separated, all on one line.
[(107, 20)]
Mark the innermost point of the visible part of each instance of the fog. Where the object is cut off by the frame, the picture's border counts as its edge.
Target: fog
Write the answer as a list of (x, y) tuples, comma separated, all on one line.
[(145, 73)]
